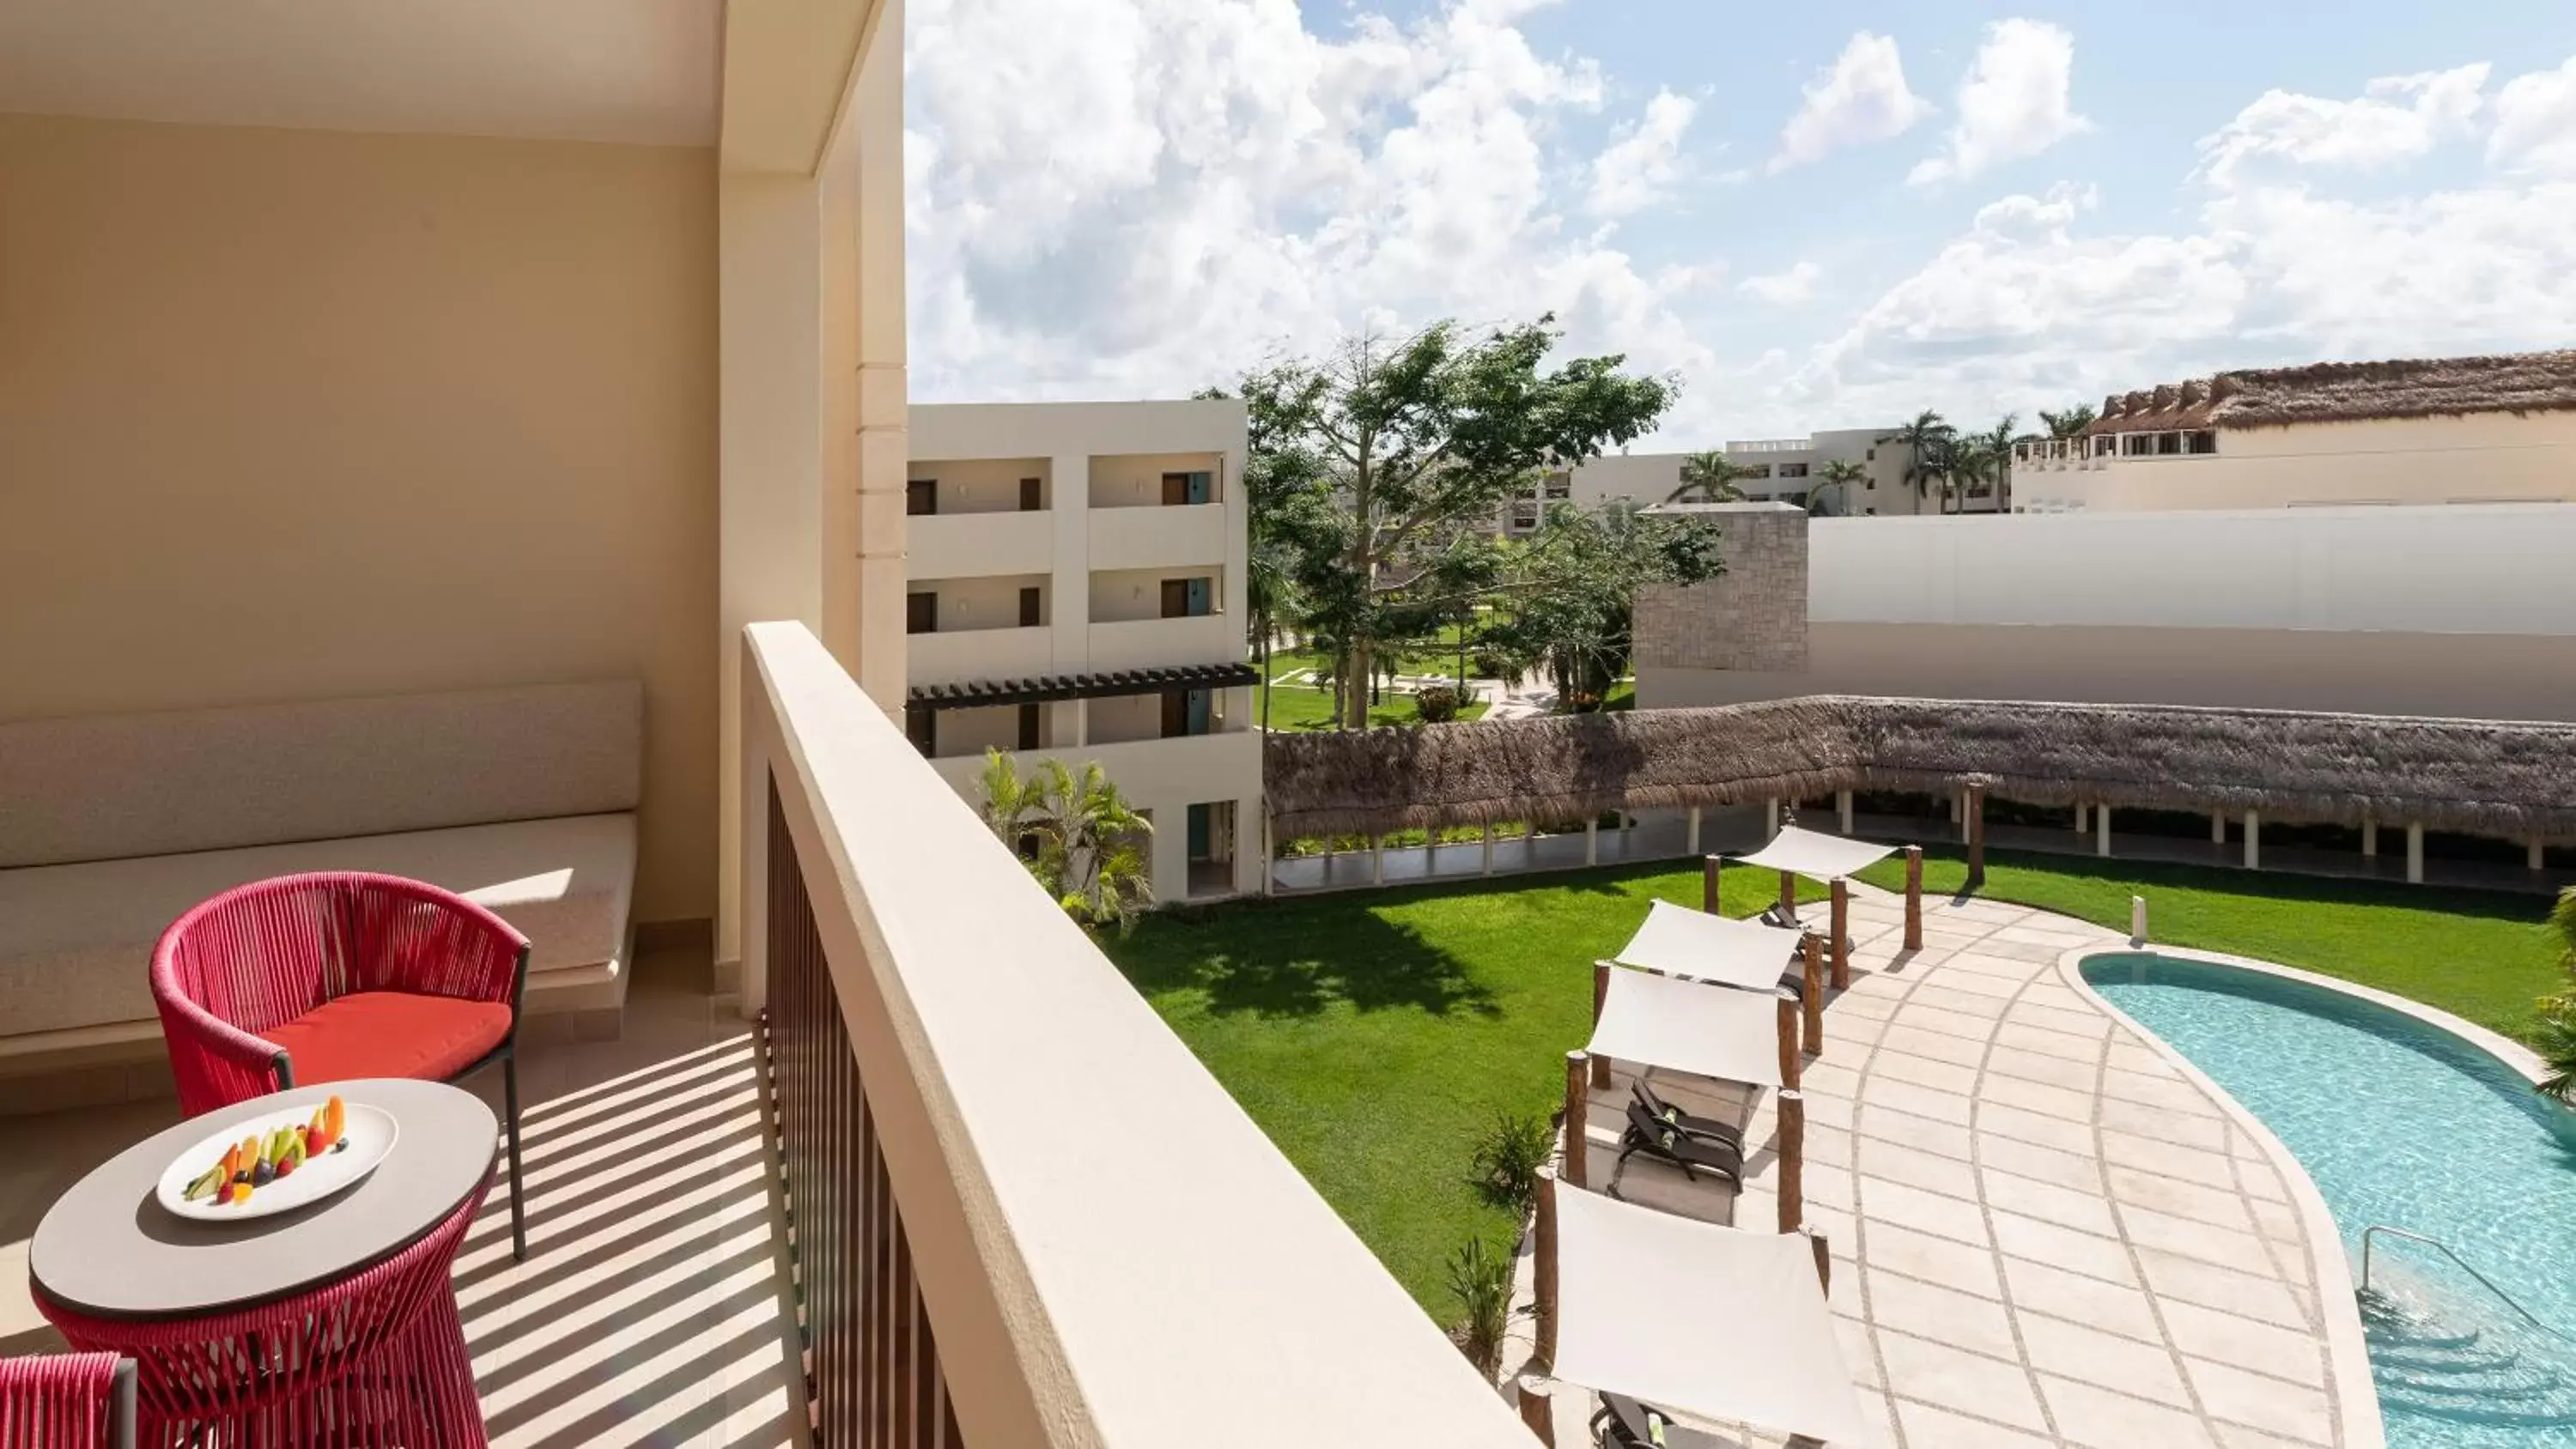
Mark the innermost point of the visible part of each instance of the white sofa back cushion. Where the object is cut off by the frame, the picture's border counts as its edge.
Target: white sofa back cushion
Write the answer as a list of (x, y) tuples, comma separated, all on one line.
[(106, 787)]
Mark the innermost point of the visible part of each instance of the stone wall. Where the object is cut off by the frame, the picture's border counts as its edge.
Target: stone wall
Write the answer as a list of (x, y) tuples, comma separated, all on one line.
[(1752, 616)]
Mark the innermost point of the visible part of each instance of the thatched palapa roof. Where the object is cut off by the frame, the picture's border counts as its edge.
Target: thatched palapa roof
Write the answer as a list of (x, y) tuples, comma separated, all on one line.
[(2335, 392), (2475, 775)]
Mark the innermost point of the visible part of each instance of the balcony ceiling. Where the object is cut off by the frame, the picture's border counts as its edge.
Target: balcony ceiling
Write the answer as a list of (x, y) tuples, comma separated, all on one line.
[(580, 70)]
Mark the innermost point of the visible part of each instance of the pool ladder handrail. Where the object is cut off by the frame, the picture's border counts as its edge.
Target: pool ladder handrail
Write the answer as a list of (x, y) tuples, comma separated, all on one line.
[(2371, 1232)]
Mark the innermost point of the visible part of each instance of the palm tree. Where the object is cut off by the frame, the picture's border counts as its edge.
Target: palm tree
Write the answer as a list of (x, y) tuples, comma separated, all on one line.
[(1714, 476), (1012, 806), (1270, 599), (1931, 443), (2557, 1036), (2067, 424), (1090, 847), (1839, 473), (1987, 458)]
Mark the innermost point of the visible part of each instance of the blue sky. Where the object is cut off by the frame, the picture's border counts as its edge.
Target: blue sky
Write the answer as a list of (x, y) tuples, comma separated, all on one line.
[(1814, 216)]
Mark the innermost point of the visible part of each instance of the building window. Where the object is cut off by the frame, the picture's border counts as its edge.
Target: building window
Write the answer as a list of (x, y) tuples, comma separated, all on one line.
[(1188, 598), (1032, 495), (1793, 470), (921, 496), (1524, 515), (1180, 489), (1556, 483), (1758, 470), (1031, 606), (921, 613), (2205, 441)]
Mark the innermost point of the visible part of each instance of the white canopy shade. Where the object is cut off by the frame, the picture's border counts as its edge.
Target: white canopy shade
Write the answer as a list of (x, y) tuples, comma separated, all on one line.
[(1679, 941), (1815, 856), (1705, 1320), (1707, 1031)]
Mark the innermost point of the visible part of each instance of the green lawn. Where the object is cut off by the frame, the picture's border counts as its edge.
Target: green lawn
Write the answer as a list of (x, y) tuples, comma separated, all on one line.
[(1377, 1035)]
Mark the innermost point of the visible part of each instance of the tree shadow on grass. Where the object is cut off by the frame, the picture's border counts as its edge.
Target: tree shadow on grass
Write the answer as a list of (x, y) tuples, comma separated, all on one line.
[(1299, 958)]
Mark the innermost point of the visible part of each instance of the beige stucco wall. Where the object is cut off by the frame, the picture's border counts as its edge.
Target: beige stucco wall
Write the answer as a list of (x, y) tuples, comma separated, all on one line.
[(299, 414), (2474, 676), (2482, 458)]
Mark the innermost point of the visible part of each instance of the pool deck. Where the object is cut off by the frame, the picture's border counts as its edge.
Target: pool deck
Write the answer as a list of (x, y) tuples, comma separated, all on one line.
[(2044, 1232)]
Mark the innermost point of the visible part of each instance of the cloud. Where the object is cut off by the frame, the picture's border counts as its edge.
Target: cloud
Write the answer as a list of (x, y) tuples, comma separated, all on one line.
[(2535, 122), (1862, 99), (1640, 165), (2016, 102), (2394, 119), (1784, 288)]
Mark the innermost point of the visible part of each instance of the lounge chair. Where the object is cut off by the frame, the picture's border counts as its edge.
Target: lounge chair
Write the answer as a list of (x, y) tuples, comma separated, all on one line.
[(1664, 1142), (1710, 1128), (1624, 1423)]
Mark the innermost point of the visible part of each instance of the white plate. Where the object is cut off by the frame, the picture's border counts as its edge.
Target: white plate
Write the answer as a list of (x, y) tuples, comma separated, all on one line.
[(369, 1131)]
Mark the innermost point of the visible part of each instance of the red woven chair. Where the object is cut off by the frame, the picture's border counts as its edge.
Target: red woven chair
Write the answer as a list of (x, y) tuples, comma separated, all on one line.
[(67, 1401), (374, 1361), (308, 979)]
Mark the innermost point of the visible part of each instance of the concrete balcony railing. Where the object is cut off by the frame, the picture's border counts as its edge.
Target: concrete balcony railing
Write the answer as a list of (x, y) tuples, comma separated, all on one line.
[(1152, 538), (1191, 767), (1022, 1213), (979, 545), (957, 656), (1150, 643)]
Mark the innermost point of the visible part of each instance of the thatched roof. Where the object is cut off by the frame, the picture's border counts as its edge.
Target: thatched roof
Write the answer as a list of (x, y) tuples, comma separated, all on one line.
[(2334, 392), (2473, 775)]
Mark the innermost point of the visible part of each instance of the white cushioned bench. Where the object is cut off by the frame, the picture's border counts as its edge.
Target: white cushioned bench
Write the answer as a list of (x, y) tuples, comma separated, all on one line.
[(520, 799)]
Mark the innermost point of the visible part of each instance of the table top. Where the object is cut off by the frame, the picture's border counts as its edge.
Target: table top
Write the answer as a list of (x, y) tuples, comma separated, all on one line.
[(108, 1248)]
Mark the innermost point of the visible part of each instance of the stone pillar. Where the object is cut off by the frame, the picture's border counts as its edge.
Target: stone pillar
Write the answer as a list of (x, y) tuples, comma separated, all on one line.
[(1770, 818), (1489, 847), (1690, 846), (1578, 1116), (2102, 831), (2253, 840), (2218, 827), (1377, 860), (2536, 853), (1843, 804), (1592, 841), (2414, 852), (2369, 838), (2080, 817)]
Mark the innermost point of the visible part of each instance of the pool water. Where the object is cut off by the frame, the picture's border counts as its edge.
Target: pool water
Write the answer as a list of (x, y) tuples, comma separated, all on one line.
[(2400, 1122)]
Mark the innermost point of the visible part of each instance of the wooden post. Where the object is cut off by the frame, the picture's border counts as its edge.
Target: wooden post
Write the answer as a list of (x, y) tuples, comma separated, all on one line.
[(1545, 1275), (1976, 836), (1578, 1117), (1839, 921), (1793, 1160), (1708, 897), (1914, 898), (1537, 1412), (1789, 895), (1691, 846), (1811, 974), (1600, 998), (1789, 1058)]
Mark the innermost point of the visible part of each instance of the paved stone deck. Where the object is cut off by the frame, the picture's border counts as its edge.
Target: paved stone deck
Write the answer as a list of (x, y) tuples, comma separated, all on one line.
[(2042, 1233)]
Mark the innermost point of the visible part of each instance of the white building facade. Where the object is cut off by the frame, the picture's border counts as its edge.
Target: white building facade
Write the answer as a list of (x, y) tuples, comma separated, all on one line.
[(1077, 592), (1780, 470)]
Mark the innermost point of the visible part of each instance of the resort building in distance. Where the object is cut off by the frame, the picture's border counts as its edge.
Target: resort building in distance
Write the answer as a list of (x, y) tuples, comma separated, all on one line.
[(1077, 592), (1780, 470), (2445, 430)]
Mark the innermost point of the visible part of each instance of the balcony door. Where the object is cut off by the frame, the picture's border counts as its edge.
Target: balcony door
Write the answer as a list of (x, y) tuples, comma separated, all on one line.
[(921, 613), (1030, 608), (921, 496)]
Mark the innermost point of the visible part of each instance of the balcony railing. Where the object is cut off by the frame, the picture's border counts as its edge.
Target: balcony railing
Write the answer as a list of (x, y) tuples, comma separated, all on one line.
[(1022, 1213), (979, 545)]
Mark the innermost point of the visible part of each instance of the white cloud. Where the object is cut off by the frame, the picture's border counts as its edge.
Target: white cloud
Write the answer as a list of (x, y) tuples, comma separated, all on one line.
[(2017, 101), (1640, 165), (2394, 119), (1784, 288), (2535, 125), (1141, 197), (1862, 99)]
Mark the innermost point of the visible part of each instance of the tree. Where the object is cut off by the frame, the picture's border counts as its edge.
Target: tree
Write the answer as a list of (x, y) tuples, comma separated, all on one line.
[(1712, 477), (2067, 424), (1088, 839), (1841, 475), (1987, 457), (1380, 467), (1930, 444), (1581, 628)]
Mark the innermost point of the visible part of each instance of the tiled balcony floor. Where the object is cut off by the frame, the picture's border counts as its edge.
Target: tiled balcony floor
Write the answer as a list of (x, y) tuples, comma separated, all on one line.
[(650, 1308), (2042, 1234)]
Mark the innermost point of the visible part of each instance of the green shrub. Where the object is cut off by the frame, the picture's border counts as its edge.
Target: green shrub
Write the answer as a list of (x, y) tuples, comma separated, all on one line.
[(1482, 1280), (1507, 1161), (1437, 704)]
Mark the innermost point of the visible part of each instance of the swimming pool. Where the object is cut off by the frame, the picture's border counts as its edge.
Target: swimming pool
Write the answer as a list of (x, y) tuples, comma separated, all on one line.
[(2400, 1122)]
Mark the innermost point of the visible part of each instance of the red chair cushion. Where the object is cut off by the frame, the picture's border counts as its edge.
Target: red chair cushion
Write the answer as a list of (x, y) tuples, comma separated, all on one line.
[(390, 1034)]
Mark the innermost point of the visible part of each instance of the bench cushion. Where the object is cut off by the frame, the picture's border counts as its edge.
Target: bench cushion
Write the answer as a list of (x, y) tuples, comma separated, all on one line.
[(113, 787), (76, 940), (389, 1034)]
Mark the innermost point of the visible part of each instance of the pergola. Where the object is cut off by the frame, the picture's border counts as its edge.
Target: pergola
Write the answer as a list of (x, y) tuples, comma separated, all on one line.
[(1831, 860)]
